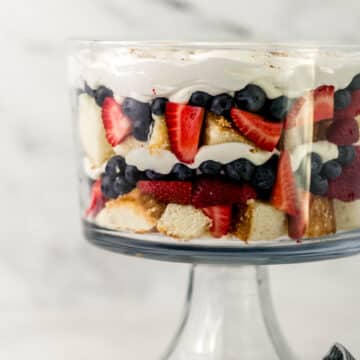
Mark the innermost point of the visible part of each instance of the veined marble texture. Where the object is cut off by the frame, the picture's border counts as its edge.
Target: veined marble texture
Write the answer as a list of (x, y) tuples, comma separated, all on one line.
[(64, 299)]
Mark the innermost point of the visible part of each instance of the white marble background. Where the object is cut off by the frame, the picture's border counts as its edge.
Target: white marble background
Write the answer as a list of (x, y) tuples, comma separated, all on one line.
[(62, 298)]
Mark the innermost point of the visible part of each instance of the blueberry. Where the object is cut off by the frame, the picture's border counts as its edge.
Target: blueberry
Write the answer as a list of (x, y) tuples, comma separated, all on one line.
[(116, 165), (101, 93), (121, 186), (355, 83), (250, 98), (342, 99), (316, 163), (107, 188), (273, 163), (136, 110), (331, 170), (140, 115), (263, 178), (132, 174), (141, 131), (319, 185), (88, 90), (182, 172), (153, 175), (264, 194), (221, 104), (158, 106), (201, 98), (278, 107), (239, 170), (346, 155), (210, 167)]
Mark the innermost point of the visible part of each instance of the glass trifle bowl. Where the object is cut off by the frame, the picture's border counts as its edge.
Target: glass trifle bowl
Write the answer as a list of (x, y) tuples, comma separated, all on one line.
[(218, 153)]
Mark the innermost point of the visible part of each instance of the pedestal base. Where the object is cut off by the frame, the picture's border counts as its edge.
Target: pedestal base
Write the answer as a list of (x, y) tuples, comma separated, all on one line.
[(228, 316)]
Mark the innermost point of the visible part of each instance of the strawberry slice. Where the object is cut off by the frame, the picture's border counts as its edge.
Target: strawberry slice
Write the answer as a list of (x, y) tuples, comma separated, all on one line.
[(117, 125), (213, 191), (284, 195), (184, 124), (298, 224), (178, 192), (301, 112), (263, 133), (97, 200), (323, 103), (314, 106), (221, 219)]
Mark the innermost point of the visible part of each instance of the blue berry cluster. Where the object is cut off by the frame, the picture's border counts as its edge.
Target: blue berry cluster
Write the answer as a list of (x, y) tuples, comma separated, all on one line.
[(322, 173)]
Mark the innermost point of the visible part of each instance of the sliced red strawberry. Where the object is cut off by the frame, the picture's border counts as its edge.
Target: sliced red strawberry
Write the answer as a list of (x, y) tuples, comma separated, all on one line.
[(347, 186), (284, 192), (117, 125), (298, 224), (294, 116), (343, 132), (97, 200), (213, 191), (184, 124), (314, 106), (323, 103), (178, 192), (264, 134), (352, 110), (301, 112), (221, 219)]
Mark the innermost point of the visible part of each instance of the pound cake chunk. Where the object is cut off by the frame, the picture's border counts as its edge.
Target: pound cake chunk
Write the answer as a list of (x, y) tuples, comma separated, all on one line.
[(183, 222), (133, 212), (259, 221), (347, 214), (159, 138), (92, 132), (315, 217), (321, 217), (103, 219), (129, 144), (218, 130)]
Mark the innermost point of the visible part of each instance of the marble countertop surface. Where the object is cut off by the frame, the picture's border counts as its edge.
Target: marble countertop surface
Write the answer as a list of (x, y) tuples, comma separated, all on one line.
[(64, 299)]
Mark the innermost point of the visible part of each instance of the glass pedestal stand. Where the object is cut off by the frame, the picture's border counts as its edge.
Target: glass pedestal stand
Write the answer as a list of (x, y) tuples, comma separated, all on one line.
[(228, 316), (228, 313)]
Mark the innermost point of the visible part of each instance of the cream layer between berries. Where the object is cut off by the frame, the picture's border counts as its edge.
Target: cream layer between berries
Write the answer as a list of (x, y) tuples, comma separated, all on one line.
[(235, 163), (163, 161)]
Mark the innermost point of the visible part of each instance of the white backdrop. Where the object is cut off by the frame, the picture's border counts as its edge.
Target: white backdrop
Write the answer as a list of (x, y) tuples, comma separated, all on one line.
[(62, 298)]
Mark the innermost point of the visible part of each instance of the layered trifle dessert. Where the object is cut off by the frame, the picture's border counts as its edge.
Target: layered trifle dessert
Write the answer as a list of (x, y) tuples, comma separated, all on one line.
[(196, 142)]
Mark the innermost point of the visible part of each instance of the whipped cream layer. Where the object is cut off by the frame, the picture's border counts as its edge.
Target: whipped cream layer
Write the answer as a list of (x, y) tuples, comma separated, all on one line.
[(177, 72), (163, 161), (91, 171)]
